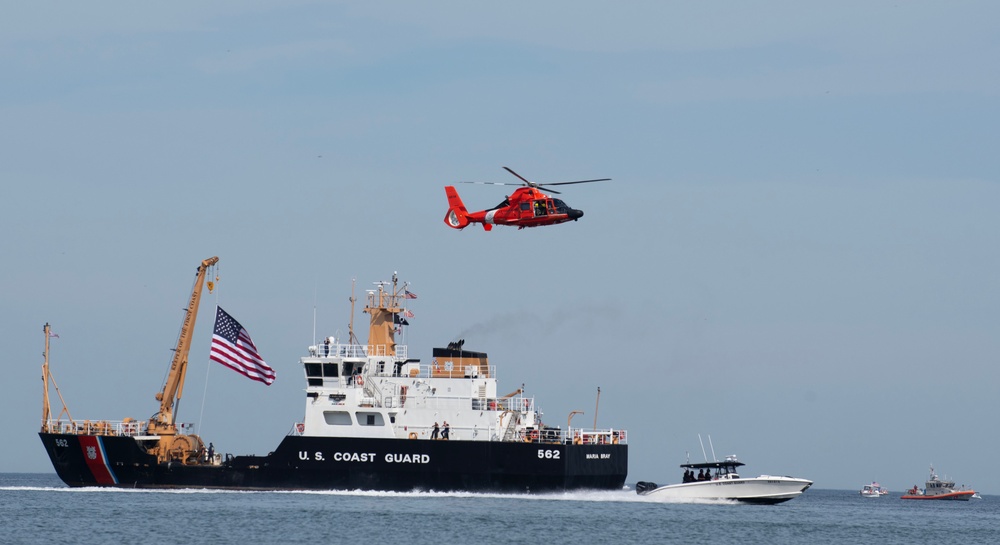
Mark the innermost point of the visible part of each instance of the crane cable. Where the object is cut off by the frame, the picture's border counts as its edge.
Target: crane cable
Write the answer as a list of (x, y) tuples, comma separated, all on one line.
[(213, 273)]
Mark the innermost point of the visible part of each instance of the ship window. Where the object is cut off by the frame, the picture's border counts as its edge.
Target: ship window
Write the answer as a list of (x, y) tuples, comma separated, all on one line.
[(330, 369), (370, 419), (313, 370), (315, 381), (337, 418)]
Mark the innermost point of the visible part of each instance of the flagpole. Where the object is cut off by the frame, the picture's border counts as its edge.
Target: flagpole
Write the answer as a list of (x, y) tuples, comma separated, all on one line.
[(596, 405)]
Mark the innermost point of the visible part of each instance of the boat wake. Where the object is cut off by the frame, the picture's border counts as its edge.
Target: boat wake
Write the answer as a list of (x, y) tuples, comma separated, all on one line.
[(625, 495), (694, 501), (110, 490)]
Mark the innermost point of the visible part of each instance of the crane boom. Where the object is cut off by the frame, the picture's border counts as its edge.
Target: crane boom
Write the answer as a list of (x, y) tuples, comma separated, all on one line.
[(163, 422)]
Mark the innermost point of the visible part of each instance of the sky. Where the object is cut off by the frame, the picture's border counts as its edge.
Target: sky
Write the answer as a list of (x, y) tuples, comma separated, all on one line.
[(797, 254)]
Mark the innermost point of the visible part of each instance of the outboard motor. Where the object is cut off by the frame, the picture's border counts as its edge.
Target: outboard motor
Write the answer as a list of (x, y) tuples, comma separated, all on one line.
[(645, 487)]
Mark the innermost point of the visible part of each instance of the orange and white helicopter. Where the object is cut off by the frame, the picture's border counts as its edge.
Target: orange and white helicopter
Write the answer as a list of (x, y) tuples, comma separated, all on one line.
[(527, 206)]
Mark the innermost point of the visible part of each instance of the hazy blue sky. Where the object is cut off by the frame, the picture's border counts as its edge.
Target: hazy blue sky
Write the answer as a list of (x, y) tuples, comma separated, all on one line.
[(798, 253)]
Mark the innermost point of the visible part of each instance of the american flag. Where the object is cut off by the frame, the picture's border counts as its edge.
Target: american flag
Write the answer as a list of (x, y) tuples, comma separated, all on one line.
[(409, 294), (232, 347), (408, 314)]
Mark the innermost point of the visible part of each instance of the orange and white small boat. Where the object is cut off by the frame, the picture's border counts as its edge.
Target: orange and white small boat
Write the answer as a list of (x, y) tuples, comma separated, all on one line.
[(937, 489)]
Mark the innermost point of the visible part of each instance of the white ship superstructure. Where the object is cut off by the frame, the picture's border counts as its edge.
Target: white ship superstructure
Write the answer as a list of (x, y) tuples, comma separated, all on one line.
[(376, 391)]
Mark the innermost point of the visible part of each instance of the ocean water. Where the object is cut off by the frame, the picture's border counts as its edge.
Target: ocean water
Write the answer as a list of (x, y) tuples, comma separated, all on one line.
[(38, 508)]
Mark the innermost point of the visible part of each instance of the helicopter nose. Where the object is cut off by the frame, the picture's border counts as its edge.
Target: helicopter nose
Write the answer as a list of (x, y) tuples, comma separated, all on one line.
[(575, 214)]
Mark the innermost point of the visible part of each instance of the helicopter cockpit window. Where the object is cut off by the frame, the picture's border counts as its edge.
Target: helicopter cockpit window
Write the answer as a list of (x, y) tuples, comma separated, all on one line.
[(540, 208), (525, 206), (560, 206)]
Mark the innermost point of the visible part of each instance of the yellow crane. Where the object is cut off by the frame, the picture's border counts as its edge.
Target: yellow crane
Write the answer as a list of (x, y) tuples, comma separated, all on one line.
[(171, 445)]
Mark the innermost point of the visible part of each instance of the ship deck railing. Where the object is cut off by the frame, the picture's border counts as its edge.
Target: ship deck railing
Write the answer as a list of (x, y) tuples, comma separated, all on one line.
[(415, 370), (357, 351), (610, 436), (543, 435), (416, 399), (121, 428)]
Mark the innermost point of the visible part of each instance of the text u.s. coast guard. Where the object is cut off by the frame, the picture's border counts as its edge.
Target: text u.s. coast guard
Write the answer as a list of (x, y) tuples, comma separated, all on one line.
[(390, 458)]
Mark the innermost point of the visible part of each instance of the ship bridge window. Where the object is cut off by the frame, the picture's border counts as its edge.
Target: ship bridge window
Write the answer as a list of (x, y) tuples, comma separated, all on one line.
[(314, 375), (370, 419), (330, 370), (337, 418)]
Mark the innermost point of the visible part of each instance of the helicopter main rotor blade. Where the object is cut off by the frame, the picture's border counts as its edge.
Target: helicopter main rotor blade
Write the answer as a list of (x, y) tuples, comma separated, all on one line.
[(534, 185), (530, 184), (576, 182)]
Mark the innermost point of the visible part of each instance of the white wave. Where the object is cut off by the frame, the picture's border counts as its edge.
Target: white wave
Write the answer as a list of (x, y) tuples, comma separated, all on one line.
[(625, 495), (111, 490)]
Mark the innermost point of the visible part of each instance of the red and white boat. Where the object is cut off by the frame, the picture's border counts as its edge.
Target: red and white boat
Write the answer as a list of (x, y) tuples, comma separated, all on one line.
[(937, 489), (873, 490)]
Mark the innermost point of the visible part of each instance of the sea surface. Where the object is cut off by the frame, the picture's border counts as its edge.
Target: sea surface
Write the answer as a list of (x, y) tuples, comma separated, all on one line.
[(39, 508)]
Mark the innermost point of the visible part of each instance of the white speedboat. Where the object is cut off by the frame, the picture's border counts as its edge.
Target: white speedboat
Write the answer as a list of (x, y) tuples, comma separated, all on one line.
[(720, 480), (873, 490)]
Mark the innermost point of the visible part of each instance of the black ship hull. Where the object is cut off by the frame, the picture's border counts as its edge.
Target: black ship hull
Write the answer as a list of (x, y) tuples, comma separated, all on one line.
[(339, 463)]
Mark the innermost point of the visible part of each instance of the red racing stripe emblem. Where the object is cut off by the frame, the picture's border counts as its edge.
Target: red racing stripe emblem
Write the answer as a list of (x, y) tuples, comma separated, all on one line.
[(93, 454)]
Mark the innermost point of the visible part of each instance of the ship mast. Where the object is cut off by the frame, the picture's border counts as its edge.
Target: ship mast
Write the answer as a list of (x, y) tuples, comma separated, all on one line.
[(46, 377), (383, 306), (46, 408), (351, 339), (163, 423)]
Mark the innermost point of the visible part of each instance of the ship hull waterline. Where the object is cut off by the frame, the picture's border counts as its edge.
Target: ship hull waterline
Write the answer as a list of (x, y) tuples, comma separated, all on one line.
[(338, 463), (964, 495)]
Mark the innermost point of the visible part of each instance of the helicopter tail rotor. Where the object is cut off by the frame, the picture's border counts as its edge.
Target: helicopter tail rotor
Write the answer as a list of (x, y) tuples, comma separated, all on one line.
[(457, 216)]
